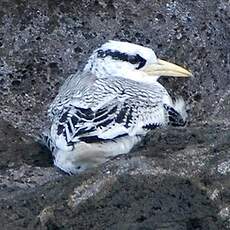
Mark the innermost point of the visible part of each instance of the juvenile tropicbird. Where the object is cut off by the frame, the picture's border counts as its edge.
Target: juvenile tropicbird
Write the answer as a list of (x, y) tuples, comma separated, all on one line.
[(108, 107)]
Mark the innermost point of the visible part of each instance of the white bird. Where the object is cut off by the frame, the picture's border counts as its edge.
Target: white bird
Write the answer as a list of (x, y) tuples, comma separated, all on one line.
[(107, 108)]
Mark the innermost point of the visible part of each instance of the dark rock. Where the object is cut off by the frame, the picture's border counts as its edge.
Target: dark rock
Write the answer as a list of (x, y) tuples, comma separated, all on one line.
[(178, 178)]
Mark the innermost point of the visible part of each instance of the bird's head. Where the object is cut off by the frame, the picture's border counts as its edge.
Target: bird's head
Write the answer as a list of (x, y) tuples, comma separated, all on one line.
[(131, 61)]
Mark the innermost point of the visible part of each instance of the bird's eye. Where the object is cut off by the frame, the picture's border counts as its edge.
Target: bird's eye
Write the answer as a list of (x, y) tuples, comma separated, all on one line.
[(141, 61), (101, 54), (132, 59)]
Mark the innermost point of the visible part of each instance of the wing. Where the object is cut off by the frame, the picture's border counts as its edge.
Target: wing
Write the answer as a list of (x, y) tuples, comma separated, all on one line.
[(175, 118), (115, 108)]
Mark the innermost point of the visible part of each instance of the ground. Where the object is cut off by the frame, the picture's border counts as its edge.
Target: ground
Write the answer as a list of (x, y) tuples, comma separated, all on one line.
[(179, 178)]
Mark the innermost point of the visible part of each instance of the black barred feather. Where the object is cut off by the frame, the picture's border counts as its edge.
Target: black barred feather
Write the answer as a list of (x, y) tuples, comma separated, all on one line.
[(75, 117), (122, 104), (175, 119)]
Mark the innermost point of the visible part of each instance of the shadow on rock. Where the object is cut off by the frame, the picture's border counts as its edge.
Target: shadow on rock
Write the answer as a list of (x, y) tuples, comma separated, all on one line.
[(17, 149)]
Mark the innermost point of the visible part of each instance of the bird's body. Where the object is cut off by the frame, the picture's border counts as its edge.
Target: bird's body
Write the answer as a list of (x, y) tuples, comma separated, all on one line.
[(99, 113)]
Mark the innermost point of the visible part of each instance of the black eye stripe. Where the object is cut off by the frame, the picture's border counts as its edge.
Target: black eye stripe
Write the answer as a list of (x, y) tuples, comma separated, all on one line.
[(141, 61), (133, 59)]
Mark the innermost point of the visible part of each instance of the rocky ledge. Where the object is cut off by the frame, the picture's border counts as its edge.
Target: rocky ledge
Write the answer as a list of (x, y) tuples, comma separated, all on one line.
[(177, 179)]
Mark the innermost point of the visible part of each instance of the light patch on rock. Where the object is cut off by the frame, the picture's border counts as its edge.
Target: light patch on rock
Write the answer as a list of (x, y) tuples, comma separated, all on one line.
[(88, 190), (46, 216), (214, 195), (225, 215), (224, 167)]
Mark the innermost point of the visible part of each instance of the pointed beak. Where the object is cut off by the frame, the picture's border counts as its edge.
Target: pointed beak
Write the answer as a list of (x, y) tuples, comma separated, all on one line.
[(164, 68)]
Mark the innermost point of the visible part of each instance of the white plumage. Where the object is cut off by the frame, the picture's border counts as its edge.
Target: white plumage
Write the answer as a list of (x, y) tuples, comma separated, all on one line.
[(108, 107)]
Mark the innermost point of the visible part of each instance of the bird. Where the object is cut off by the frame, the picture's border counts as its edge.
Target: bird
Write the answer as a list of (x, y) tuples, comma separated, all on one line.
[(107, 108)]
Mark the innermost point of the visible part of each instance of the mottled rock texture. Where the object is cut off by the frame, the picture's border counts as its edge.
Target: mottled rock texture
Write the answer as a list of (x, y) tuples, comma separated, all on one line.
[(178, 178)]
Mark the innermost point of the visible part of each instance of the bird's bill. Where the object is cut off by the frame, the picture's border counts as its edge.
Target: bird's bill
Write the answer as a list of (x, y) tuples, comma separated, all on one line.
[(164, 68)]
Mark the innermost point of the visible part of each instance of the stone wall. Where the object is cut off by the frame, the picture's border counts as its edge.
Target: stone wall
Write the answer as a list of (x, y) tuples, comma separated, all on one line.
[(179, 179)]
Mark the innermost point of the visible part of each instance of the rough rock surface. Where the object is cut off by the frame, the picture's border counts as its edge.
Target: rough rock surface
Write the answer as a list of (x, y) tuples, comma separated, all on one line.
[(178, 178)]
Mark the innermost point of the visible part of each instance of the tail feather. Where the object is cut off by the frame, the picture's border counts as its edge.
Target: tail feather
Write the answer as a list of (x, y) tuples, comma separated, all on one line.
[(46, 140), (181, 108), (177, 114)]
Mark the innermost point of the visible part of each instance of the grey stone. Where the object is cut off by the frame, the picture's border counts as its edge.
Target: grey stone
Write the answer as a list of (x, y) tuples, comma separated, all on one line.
[(177, 179)]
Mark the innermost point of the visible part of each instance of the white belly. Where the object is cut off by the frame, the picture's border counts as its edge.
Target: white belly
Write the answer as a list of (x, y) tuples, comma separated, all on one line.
[(89, 155)]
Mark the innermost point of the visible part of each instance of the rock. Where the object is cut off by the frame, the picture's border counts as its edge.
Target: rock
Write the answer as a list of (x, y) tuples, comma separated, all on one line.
[(177, 179)]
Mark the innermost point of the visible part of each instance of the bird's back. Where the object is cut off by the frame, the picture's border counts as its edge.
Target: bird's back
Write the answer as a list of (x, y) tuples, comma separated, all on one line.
[(105, 108)]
